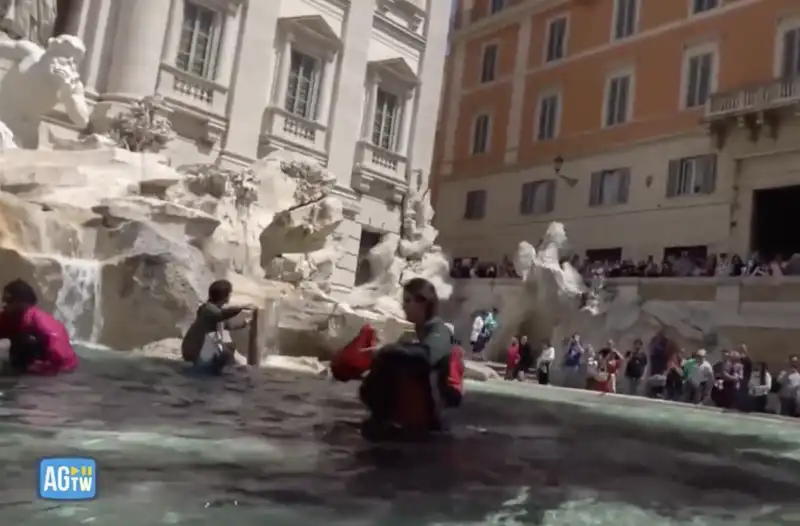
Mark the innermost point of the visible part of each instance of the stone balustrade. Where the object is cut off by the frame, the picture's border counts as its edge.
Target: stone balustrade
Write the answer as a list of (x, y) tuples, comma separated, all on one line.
[(762, 312)]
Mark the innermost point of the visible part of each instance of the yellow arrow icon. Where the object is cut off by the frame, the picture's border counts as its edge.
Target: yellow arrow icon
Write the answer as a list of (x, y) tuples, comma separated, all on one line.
[(73, 471)]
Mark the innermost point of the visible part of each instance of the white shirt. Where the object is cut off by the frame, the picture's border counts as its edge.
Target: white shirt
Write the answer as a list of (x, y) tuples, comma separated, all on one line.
[(477, 327), (548, 356), (704, 372), (756, 387)]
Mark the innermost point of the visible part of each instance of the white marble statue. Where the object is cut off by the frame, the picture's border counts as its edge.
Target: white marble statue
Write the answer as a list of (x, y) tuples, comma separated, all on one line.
[(550, 294), (39, 79)]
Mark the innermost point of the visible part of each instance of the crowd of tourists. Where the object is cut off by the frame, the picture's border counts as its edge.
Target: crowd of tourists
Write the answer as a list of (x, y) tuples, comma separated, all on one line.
[(681, 264), (662, 371)]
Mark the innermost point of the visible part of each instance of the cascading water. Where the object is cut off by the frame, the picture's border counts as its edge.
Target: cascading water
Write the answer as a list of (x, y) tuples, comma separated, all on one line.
[(80, 294)]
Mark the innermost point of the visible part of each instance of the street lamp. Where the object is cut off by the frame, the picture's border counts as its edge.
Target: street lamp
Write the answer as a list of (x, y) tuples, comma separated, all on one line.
[(558, 162)]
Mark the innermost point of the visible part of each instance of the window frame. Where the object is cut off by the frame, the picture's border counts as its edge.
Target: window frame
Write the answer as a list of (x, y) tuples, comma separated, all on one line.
[(495, 6), (693, 4), (561, 17), (616, 14), (211, 60), (396, 124), (315, 82), (780, 56), (475, 213), (489, 46), (707, 185), (556, 124), (487, 134), (691, 53), (629, 74), (596, 194), (529, 197)]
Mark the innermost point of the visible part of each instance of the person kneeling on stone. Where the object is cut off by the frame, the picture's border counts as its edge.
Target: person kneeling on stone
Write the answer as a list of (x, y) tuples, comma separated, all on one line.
[(203, 345), (406, 386), (39, 343)]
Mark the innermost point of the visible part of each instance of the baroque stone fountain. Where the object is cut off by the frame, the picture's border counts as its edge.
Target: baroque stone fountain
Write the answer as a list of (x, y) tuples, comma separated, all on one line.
[(123, 247)]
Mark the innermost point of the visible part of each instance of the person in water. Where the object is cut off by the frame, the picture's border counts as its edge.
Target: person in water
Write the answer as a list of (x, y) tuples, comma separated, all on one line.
[(39, 344), (407, 385), (206, 330)]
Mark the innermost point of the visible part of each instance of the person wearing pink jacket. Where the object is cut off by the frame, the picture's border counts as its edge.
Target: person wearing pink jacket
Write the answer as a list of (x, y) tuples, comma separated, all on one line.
[(39, 343)]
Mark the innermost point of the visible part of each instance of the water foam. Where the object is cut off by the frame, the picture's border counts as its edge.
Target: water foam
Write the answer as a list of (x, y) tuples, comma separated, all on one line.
[(80, 293)]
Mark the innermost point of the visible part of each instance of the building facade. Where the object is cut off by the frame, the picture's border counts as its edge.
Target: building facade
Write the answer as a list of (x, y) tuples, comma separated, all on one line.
[(643, 125), (346, 82)]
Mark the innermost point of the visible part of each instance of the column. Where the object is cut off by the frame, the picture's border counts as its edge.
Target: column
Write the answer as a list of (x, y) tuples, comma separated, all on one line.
[(430, 88), (227, 47), (286, 65), (345, 122), (136, 55), (98, 22), (514, 130), (328, 76), (405, 130), (372, 106), (174, 32), (252, 78)]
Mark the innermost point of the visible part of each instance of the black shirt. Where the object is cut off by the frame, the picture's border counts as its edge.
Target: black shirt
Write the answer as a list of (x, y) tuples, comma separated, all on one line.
[(637, 363)]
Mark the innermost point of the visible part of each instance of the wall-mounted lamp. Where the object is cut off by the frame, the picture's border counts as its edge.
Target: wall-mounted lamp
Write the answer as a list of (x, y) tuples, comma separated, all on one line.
[(558, 162)]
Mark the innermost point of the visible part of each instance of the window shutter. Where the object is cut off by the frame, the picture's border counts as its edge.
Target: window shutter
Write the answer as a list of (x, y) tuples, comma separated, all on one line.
[(594, 189), (623, 182), (790, 55), (692, 82), (550, 203), (524, 205), (672, 177), (709, 174), (624, 94), (705, 79)]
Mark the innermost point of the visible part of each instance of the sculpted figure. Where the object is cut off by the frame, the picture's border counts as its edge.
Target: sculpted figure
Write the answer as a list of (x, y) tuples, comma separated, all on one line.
[(28, 19), (38, 80)]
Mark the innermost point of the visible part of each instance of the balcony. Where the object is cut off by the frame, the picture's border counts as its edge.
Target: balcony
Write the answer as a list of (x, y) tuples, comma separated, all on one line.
[(777, 94), (188, 90), (376, 165), (285, 129), (753, 108), (200, 101)]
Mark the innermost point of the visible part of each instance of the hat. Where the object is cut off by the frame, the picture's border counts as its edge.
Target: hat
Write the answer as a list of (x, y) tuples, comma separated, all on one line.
[(701, 352)]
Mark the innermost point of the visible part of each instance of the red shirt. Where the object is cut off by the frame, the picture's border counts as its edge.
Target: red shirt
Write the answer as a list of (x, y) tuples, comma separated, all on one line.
[(512, 357), (606, 386)]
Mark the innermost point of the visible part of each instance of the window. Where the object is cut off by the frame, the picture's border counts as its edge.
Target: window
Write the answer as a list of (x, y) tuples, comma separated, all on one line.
[(625, 16), (618, 100), (498, 5), (538, 197), (612, 255), (692, 176), (480, 134), (699, 75), (489, 63), (610, 187), (303, 86), (790, 61), (549, 109), (475, 206), (387, 120), (701, 6), (556, 39), (197, 49)]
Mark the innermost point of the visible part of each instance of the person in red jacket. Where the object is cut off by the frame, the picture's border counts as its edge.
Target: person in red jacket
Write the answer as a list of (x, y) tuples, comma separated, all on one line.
[(39, 343), (405, 386), (512, 359)]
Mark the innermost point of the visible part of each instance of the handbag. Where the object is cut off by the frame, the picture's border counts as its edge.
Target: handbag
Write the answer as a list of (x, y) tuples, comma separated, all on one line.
[(212, 345)]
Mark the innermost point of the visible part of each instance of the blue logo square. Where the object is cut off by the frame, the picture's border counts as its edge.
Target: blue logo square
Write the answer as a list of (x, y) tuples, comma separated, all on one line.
[(67, 478)]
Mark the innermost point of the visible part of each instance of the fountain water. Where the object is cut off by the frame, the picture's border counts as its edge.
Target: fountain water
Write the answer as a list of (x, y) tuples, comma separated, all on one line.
[(79, 295)]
